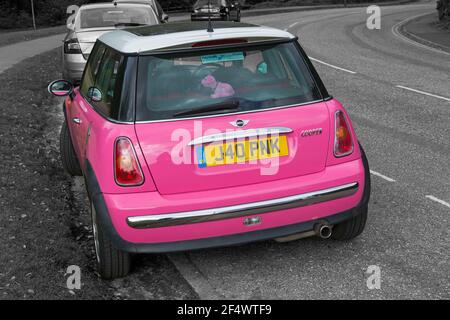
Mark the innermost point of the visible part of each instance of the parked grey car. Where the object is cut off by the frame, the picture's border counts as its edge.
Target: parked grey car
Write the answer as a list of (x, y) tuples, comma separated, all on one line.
[(93, 20), (163, 18), (226, 10)]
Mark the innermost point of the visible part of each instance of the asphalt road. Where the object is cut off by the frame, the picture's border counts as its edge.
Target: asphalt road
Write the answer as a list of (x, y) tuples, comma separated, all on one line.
[(398, 97), (406, 135), (15, 53)]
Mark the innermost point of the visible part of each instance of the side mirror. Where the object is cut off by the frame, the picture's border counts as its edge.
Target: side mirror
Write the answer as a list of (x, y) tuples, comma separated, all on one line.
[(95, 94), (60, 88), (165, 18)]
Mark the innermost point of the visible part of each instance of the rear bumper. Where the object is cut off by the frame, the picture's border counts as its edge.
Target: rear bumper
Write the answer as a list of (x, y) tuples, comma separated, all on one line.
[(73, 67), (276, 222), (242, 210), (234, 239)]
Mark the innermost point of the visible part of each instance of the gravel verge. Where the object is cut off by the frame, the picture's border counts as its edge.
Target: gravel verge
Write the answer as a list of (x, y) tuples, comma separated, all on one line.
[(44, 223)]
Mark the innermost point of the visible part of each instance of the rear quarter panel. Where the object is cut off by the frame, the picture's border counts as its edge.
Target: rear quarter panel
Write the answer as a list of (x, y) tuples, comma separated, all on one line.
[(101, 154), (334, 106)]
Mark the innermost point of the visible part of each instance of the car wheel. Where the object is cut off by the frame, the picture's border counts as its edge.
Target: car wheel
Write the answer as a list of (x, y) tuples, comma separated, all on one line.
[(351, 228), (111, 263), (354, 227), (68, 155)]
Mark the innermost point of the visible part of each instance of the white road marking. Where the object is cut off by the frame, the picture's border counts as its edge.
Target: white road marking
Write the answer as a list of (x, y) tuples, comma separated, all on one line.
[(424, 93), (382, 176), (332, 66), (293, 25), (438, 200)]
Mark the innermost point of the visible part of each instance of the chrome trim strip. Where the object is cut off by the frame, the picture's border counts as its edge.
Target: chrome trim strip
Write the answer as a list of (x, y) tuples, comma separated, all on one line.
[(232, 113), (240, 134), (242, 210)]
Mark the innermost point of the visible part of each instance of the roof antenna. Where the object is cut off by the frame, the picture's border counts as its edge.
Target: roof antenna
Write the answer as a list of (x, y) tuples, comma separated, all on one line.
[(210, 27)]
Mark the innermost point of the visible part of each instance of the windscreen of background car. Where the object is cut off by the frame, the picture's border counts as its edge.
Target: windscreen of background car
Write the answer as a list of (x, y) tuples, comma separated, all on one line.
[(201, 3), (252, 78), (110, 17)]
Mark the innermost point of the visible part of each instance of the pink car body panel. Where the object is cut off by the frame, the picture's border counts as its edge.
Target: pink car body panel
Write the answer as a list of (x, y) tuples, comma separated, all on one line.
[(171, 188), (306, 154), (125, 205)]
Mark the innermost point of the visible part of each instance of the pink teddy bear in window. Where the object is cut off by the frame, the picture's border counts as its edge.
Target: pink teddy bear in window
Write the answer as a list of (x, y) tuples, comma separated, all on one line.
[(221, 89)]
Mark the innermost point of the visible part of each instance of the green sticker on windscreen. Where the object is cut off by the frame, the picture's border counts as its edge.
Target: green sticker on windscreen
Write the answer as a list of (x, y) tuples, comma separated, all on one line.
[(223, 57), (262, 68)]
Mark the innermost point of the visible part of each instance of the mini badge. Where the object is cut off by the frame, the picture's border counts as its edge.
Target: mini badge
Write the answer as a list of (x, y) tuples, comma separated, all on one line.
[(239, 123)]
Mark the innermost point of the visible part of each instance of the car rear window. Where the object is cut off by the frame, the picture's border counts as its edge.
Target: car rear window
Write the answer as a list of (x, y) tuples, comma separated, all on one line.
[(212, 2), (250, 77), (111, 17)]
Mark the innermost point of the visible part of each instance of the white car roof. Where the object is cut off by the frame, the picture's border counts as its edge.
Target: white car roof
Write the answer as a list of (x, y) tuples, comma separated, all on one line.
[(177, 34)]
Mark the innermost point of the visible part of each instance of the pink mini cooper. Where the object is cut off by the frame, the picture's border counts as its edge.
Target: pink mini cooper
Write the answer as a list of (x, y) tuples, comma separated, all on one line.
[(193, 138)]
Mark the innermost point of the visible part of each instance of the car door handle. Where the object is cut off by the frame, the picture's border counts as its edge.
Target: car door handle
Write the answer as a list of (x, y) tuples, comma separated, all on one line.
[(76, 120)]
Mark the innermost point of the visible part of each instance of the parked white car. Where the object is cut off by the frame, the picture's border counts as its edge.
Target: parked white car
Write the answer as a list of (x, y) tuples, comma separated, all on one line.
[(93, 20)]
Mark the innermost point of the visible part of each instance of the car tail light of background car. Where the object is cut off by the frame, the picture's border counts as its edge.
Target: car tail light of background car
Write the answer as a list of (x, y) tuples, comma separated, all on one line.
[(343, 144), (127, 169), (72, 46)]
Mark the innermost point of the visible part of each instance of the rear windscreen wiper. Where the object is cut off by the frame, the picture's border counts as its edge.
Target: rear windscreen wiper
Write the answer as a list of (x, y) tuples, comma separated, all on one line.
[(222, 106)]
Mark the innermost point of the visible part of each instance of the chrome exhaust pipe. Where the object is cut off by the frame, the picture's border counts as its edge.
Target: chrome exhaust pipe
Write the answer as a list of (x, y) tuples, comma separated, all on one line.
[(323, 230)]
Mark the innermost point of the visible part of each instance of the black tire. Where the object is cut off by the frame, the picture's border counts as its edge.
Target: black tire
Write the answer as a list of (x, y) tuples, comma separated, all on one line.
[(111, 263), (353, 227), (68, 156)]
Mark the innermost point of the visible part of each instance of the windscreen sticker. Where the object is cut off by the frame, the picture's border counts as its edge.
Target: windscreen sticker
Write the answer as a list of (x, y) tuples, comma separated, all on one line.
[(262, 68), (223, 57), (201, 157)]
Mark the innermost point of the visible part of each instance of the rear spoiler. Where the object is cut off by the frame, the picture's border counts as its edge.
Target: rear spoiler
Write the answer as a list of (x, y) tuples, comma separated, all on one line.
[(219, 43)]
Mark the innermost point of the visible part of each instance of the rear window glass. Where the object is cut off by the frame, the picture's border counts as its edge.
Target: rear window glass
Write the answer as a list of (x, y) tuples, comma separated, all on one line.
[(239, 79), (212, 2), (108, 82), (91, 68), (120, 16)]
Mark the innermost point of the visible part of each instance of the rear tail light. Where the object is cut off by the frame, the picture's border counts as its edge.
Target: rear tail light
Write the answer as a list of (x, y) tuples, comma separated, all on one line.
[(72, 46), (343, 144), (127, 169)]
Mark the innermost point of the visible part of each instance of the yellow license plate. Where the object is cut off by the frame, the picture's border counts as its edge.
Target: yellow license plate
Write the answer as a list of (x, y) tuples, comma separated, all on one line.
[(241, 151)]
